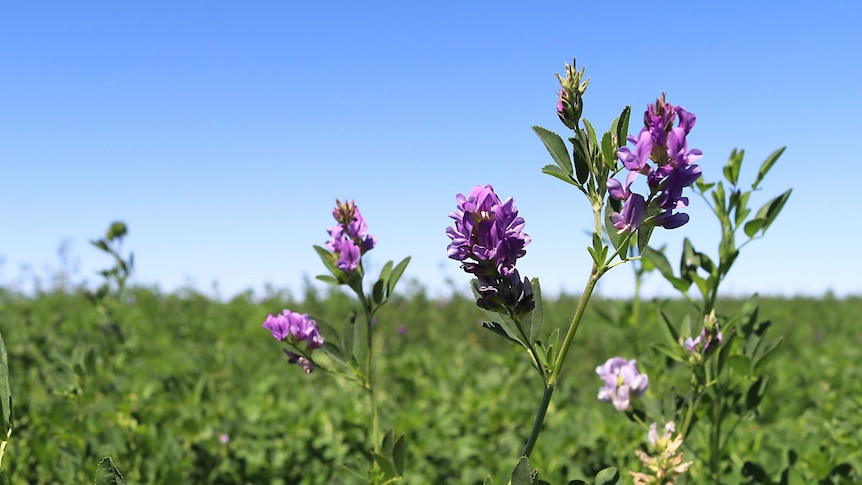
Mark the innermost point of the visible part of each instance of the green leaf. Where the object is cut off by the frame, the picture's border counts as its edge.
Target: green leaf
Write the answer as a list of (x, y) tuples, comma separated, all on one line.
[(766, 356), (756, 392), (581, 157), (107, 473), (327, 331), (537, 314), (552, 346), (556, 147), (488, 481), (556, 171), (623, 126), (671, 333), (591, 133), (767, 164), (772, 209), (731, 170), (608, 476), (541, 356), (396, 275), (332, 280), (751, 227), (672, 351), (388, 442), (333, 351), (726, 347), (101, 244), (644, 234), (522, 475), (377, 292), (386, 271), (609, 149), (385, 464), (399, 452), (659, 260), (5, 390), (740, 364), (330, 260), (504, 330)]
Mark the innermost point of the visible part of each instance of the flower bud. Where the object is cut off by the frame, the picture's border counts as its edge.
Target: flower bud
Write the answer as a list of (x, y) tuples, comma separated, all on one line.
[(570, 104)]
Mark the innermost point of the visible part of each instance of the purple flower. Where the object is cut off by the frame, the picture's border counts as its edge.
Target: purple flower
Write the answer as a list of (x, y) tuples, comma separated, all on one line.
[(224, 438), (622, 382), (349, 239), (632, 215), (487, 231), (674, 170), (488, 239), (294, 328)]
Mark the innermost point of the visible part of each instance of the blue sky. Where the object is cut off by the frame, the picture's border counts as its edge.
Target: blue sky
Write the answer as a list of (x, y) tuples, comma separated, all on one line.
[(222, 132)]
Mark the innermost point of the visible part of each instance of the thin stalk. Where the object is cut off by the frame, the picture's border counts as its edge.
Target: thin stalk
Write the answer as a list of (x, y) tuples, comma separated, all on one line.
[(369, 366), (375, 423), (540, 417), (595, 274)]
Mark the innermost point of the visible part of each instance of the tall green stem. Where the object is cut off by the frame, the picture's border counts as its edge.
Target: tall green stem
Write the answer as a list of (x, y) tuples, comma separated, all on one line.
[(537, 423), (369, 364), (595, 274)]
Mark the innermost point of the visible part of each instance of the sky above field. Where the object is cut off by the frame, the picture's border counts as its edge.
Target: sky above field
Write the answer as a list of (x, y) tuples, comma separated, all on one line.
[(222, 132)]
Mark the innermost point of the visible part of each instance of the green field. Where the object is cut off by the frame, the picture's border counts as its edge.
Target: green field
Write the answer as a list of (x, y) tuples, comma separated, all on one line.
[(157, 383)]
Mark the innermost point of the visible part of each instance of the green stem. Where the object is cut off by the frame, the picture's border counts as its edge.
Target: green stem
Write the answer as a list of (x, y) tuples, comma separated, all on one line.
[(369, 366), (375, 424), (537, 423), (595, 274), (551, 383)]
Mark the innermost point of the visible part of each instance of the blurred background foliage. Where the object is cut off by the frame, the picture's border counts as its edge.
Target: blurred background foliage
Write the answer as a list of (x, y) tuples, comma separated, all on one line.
[(182, 388)]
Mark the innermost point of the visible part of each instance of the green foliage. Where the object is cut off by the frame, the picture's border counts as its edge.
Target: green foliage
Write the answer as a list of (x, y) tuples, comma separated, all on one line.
[(191, 369), (107, 473)]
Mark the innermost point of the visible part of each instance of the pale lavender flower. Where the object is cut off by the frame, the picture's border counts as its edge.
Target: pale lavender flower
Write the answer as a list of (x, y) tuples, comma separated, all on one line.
[(224, 438), (705, 342), (623, 381), (692, 343)]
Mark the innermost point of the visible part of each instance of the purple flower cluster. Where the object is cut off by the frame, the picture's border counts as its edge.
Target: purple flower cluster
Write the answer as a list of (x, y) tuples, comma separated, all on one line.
[(349, 239), (295, 328), (488, 238), (622, 382), (667, 147)]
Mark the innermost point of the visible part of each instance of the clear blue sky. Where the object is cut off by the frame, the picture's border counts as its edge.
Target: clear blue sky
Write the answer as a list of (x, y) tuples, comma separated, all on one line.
[(222, 132)]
